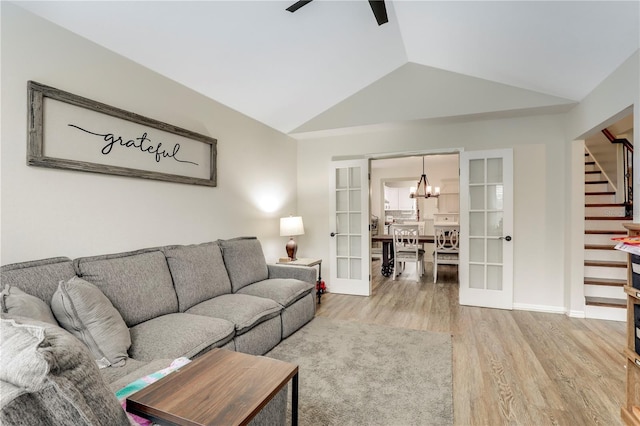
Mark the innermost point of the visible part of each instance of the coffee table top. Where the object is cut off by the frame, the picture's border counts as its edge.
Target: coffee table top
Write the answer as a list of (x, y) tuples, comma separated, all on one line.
[(221, 387)]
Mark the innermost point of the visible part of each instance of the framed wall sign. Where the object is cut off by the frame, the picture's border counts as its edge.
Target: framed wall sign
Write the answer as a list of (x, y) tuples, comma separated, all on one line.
[(67, 131)]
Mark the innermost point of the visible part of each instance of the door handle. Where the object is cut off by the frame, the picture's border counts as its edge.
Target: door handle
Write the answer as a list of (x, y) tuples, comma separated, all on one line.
[(333, 234), (507, 238)]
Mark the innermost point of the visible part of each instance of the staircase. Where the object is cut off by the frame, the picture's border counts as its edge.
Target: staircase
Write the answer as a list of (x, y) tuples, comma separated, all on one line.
[(605, 268)]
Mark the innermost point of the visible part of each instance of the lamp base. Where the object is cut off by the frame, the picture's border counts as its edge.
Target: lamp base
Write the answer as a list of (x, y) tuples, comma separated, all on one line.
[(292, 248)]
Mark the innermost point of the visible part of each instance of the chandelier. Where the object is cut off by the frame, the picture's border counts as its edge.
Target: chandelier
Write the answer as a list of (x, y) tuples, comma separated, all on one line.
[(424, 189)]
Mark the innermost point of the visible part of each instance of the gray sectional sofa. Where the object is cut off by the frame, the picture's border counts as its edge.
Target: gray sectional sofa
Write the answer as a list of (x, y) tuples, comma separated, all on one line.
[(134, 312)]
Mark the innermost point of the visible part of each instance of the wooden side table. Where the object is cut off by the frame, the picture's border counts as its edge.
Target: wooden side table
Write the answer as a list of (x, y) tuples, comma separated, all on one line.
[(308, 262), (220, 387)]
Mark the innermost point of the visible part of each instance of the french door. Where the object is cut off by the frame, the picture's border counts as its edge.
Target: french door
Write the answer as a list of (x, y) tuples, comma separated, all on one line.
[(486, 228), (349, 226)]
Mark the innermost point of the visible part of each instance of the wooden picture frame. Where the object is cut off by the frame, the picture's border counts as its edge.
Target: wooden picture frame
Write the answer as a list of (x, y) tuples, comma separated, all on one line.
[(67, 131)]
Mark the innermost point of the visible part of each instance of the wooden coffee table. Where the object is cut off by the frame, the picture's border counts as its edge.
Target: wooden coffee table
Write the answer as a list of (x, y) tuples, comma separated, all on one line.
[(219, 388)]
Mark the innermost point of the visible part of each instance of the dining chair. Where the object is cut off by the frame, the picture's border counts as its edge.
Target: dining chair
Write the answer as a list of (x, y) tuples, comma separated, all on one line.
[(447, 247), (407, 249)]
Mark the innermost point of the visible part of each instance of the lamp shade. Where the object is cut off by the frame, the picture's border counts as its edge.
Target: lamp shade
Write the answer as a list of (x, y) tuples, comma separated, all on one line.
[(290, 226)]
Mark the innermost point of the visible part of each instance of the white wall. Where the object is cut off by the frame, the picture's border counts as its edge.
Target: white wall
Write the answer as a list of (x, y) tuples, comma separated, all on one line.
[(539, 189), (616, 97), (48, 212)]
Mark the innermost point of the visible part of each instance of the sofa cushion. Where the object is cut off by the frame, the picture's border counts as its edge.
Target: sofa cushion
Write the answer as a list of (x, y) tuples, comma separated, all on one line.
[(85, 312), (282, 290), (243, 310), (138, 283), (180, 334), (302, 273), (198, 273), (244, 260), (67, 388), (15, 302), (39, 278)]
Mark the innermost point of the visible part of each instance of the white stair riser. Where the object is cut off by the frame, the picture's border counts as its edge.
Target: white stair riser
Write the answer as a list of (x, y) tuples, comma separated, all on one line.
[(599, 199), (615, 211), (596, 187), (609, 292), (590, 177), (605, 225), (605, 272), (616, 255), (599, 238), (605, 313), (590, 167)]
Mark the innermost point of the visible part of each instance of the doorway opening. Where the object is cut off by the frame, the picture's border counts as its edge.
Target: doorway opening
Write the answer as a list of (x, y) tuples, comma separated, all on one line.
[(393, 179)]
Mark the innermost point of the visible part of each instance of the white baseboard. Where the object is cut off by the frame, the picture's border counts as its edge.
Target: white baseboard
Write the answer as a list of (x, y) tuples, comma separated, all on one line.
[(576, 314), (539, 308), (594, 312)]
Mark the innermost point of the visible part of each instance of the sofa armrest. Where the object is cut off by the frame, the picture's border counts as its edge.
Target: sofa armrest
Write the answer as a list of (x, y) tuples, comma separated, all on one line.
[(303, 273)]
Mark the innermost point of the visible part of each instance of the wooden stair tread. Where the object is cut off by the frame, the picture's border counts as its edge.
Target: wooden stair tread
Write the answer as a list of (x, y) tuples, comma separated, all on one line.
[(609, 282), (608, 218), (606, 302), (604, 204), (605, 232), (596, 182), (600, 193), (606, 263), (591, 172), (599, 247)]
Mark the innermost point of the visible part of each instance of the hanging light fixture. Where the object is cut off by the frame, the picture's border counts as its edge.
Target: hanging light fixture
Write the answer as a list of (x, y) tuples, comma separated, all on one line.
[(424, 191)]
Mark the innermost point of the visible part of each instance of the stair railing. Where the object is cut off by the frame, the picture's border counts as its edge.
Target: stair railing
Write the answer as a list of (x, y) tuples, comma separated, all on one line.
[(627, 159)]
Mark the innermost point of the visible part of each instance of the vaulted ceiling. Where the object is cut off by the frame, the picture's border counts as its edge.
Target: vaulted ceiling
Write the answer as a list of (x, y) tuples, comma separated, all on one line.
[(329, 65)]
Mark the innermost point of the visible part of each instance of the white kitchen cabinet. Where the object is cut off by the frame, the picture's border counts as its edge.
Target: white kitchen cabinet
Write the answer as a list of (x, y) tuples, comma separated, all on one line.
[(398, 199), (449, 203), (390, 198), (404, 202)]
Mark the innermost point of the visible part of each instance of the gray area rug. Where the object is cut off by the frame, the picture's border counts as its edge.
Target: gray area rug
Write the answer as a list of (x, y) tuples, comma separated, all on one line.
[(361, 374)]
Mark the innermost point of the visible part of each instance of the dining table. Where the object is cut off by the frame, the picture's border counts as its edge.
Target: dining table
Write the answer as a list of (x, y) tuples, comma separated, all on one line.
[(387, 250)]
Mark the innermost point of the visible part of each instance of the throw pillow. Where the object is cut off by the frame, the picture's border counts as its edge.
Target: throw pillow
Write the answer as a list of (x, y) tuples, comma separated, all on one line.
[(84, 311), (15, 302)]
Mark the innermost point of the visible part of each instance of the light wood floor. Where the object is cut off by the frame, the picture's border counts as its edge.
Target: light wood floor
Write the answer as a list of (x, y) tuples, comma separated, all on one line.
[(509, 367)]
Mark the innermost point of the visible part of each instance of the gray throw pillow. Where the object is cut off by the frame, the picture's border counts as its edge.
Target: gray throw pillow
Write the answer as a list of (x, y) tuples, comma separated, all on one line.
[(84, 311), (15, 302)]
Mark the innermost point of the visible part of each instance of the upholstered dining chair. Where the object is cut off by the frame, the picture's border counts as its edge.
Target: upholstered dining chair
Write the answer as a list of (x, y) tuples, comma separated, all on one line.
[(447, 247), (407, 249)]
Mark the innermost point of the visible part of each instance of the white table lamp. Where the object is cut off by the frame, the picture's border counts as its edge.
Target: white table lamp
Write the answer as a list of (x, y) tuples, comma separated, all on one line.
[(289, 227)]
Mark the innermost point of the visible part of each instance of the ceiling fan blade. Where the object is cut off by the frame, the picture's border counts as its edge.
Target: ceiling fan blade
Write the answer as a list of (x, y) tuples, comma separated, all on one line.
[(297, 5), (379, 10)]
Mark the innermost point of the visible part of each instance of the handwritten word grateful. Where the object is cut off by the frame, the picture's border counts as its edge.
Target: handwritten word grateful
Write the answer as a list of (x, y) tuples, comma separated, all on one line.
[(143, 143)]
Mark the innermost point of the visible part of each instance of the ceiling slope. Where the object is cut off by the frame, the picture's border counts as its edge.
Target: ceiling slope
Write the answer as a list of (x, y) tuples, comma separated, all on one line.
[(414, 92), (561, 48), (330, 65)]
